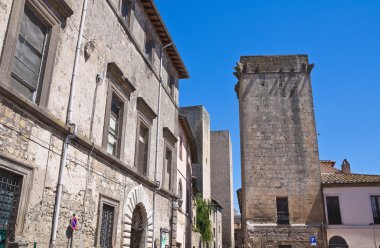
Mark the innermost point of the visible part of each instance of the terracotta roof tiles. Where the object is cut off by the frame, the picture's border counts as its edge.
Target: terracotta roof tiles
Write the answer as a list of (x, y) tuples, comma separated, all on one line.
[(348, 178)]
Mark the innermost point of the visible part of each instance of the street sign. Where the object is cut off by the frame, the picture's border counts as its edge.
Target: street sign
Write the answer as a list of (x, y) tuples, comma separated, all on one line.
[(74, 222), (313, 241)]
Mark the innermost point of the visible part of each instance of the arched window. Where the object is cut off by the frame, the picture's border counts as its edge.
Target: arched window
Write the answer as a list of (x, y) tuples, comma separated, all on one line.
[(180, 193), (337, 242)]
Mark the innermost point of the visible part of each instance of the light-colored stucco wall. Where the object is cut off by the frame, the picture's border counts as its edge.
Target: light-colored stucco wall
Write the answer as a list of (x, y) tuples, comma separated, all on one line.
[(183, 176), (357, 219)]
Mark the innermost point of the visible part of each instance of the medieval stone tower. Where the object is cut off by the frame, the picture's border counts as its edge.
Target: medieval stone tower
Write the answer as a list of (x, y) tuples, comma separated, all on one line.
[(281, 182)]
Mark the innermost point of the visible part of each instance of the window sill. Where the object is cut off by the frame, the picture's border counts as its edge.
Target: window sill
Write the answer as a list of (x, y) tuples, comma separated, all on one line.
[(140, 50), (360, 226), (49, 121)]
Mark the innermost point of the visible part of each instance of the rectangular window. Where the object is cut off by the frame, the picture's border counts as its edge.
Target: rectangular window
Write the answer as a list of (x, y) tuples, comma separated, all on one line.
[(106, 229), (333, 210), (107, 222), (171, 84), (167, 169), (10, 192), (180, 147), (26, 76), (188, 201), (149, 46), (142, 149), (114, 126), (125, 9), (146, 115), (118, 94), (28, 56), (282, 211), (375, 203)]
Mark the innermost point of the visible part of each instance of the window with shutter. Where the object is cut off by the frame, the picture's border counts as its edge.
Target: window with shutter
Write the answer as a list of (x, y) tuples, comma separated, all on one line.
[(27, 61), (29, 55)]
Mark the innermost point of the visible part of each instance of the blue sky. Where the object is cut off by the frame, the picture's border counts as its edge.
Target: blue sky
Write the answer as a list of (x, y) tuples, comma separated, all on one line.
[(342, 39)]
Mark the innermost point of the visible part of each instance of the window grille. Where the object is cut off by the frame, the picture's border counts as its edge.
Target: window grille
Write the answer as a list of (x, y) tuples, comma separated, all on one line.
[(282, 211), (107, 226), (10, 190), (137, 228)]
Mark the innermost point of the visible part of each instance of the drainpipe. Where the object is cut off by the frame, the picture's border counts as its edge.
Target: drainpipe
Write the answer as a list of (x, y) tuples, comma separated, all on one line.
[(158, 183), (54, 228)]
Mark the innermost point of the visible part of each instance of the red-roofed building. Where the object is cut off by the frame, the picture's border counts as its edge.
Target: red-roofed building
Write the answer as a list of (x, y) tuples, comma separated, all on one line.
[(352, 206)]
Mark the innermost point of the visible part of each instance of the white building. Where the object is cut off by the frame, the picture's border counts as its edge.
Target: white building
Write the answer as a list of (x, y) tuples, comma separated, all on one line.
[(352, 207), (187, 154)]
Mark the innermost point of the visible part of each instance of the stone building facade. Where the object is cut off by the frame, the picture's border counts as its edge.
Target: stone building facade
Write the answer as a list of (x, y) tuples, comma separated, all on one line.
[(199, 121), (88, 108), (216, 224), (222, 183), (281, 184), (237, 229)]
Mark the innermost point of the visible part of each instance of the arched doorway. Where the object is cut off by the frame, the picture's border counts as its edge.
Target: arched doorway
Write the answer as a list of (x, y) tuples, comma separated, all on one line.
[(138, 220), (337, 242), (138, 228)]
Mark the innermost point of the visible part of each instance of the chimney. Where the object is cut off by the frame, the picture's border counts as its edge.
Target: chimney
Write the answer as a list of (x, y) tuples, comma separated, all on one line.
[(346, 167)]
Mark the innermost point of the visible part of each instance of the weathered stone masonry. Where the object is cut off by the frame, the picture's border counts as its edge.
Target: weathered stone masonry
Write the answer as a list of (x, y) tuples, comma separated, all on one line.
[(279, 151), (31, 135), (222, 182)]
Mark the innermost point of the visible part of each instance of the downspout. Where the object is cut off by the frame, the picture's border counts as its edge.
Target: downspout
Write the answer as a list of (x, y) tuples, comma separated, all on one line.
[(158, 183), (54, 228)]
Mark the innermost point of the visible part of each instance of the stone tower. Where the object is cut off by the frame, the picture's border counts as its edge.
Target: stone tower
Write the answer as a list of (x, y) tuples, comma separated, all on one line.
[(199, 121), (281, 182), (222, 182)]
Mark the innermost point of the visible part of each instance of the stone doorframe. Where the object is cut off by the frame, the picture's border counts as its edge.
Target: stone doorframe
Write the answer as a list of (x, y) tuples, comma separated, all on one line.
[(137, 197)]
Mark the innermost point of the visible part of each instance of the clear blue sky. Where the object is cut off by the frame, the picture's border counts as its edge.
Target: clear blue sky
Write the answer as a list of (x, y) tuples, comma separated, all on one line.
[(342, 39)]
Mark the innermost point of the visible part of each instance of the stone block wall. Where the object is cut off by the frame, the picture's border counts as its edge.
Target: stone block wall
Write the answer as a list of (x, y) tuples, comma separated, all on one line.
[(199, 121), (279, 148), (31, 136), (222, 182)]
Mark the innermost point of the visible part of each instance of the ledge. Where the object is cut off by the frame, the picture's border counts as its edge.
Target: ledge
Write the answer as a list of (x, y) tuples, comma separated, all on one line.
[(145, 109), (140, 50), (62, 7), (50, 121)]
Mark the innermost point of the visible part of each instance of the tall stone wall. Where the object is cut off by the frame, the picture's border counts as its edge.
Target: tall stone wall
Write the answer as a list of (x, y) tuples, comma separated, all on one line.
[(199, 121), (279, 150), (222, 182), (31, 136)]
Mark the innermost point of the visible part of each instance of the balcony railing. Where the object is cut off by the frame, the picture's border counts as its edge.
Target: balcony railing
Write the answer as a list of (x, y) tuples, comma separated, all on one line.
[(282, 218)]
